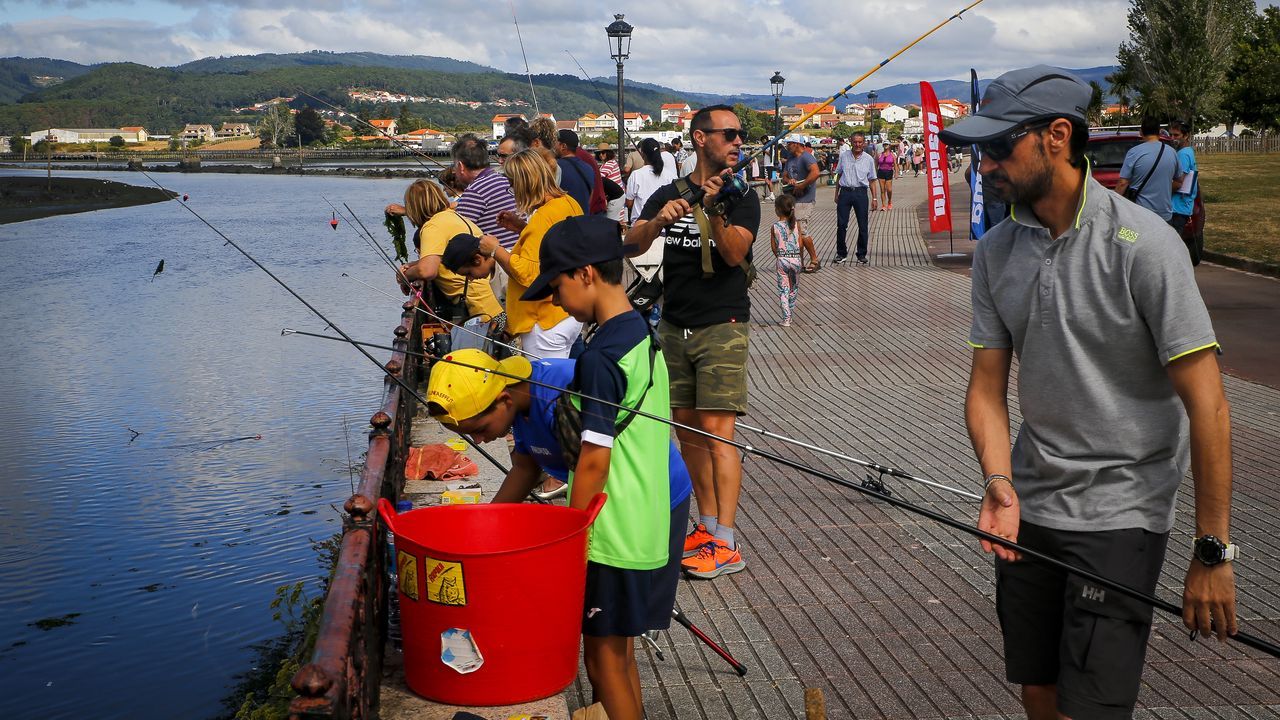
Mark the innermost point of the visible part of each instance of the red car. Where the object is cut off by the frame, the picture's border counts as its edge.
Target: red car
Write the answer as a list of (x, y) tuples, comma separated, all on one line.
[(1106, 153)]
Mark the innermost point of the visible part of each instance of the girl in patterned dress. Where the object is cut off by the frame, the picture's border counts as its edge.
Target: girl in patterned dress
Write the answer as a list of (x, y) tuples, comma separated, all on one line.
[(784, 237)]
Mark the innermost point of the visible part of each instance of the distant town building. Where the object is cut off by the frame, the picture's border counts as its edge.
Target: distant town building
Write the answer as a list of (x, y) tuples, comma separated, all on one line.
[(593, 124), (499, 122), (5, 144), (672, 112), (952, 108), (548, 116), (197, 132), (889, 112), (386, 125), (89, 135), (567, 125), (235, 130), (633, 121), (913, 126)]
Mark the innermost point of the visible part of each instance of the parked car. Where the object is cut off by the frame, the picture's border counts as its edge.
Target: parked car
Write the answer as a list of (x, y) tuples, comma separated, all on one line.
[(1106, 151)]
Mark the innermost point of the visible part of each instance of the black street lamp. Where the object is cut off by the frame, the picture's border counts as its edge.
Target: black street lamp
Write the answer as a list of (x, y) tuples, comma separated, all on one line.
[(620, 49), (775, 83), (871, 100)]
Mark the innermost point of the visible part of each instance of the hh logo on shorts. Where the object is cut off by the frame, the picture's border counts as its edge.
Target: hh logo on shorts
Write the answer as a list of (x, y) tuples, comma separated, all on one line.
[(1088, 592)]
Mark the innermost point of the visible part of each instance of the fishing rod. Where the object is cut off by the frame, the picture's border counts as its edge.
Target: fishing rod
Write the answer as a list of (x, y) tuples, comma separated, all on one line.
[(869, 490), (739, 187), (328, 323), (528, 74), (882, 469), (452, 325), (405, 146)]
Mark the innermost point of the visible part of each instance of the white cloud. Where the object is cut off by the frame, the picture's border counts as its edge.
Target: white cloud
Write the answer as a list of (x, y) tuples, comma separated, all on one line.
[(710, 46)]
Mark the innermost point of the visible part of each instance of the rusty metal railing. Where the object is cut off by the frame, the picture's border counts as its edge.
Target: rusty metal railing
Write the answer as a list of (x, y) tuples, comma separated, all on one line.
[(342, 678)]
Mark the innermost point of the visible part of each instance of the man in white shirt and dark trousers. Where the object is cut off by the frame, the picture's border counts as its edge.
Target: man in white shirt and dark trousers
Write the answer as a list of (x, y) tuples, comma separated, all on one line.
[(857, 175)]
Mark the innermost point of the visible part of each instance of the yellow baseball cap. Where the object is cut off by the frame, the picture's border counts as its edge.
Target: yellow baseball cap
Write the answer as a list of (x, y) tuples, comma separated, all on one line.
[(465, 392)]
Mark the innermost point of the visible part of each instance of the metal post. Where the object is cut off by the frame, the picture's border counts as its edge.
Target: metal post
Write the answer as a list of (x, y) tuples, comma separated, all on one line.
[(622, 129)]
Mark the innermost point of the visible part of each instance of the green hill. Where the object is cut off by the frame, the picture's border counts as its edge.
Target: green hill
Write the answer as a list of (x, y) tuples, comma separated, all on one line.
[(164, 99), (319, 58), (21, 76)]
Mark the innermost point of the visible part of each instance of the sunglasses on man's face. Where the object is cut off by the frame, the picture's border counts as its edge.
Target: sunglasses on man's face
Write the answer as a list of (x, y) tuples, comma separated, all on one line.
[(1002, 147), (730, 134)]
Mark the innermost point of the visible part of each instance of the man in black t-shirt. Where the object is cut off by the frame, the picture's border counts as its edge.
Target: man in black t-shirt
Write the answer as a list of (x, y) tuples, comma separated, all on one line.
[(704, 330)]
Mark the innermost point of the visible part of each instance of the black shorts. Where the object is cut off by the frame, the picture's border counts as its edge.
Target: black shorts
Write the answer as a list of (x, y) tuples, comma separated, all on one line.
[(629, 603), (1062, 630), (884, 174)]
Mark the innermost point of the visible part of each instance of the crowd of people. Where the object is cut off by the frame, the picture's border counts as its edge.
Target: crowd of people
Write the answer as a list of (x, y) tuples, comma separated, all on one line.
[(544, 242)]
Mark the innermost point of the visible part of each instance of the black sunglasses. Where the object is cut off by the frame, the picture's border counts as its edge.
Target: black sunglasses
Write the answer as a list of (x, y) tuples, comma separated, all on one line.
[(730, 134), (1001, 148)]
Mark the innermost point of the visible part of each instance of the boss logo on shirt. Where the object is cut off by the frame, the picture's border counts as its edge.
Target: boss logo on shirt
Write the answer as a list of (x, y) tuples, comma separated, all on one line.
[(1127, 235)]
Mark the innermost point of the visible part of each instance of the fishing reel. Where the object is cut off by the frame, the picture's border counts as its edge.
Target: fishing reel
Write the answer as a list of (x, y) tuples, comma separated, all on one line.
[(734, 190), (731, 193)]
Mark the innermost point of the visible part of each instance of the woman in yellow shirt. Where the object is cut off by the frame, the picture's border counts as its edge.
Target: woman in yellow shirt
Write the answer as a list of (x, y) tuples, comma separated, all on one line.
[(544, 330), (427, 207)]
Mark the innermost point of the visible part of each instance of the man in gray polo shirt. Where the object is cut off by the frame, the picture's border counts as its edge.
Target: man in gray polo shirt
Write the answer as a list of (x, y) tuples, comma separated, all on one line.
[(1117, 381)]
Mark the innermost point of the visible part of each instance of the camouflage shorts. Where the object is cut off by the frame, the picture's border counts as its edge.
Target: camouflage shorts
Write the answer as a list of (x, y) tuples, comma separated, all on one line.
[(707, 365)]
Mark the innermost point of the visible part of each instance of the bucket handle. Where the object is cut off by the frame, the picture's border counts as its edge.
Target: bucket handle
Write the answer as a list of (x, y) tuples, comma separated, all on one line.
[(387, 512), (594, 507)]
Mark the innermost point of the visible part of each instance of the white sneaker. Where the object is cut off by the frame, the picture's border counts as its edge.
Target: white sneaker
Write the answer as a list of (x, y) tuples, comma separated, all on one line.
[(769, 197)]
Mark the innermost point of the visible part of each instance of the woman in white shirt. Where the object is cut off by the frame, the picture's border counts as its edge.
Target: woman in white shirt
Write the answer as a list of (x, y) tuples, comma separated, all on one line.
[(659, 169)]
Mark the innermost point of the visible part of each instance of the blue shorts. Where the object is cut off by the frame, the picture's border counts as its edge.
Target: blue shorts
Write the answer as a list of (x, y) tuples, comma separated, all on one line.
[(629, 603)]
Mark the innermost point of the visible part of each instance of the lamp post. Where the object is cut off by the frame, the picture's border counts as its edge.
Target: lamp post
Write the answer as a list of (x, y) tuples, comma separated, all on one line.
[(775, 83), (871, 100), (620, 49)]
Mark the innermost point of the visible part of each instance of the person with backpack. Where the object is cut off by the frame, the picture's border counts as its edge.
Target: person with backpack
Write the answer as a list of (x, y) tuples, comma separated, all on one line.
[(1150, 168), (705, 325)]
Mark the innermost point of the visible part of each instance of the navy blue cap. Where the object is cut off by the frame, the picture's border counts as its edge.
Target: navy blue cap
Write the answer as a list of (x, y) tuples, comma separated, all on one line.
[(573, 243)]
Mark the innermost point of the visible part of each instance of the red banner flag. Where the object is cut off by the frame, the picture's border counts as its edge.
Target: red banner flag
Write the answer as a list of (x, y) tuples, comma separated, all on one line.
[(935, 157)]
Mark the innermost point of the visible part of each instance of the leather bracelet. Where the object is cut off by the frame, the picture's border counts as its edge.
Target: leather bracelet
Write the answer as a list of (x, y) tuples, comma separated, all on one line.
[(994, 477)]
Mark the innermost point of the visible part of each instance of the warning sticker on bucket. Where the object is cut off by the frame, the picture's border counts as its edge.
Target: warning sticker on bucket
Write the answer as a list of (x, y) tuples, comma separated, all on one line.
[(407, 572), (445, 584)]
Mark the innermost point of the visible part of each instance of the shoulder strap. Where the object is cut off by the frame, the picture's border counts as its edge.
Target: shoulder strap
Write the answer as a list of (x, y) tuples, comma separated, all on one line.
[(653, 354), (684, 187), (1154, 165)]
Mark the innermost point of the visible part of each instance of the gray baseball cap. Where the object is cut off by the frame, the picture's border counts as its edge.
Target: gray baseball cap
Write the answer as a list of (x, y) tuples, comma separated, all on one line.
[(1019, 97)]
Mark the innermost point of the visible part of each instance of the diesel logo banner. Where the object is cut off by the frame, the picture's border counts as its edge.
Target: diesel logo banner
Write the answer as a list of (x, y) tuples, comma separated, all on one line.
[(935, 158)]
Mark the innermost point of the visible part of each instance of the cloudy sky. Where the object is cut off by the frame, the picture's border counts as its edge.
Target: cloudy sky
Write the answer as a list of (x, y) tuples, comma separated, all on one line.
[(708, 46)]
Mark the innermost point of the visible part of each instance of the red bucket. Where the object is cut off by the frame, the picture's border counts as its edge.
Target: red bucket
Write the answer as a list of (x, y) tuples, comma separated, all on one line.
[(491, 598)]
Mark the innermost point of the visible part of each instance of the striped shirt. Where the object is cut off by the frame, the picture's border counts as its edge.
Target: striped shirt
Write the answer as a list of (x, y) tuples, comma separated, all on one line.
[(486, 196)]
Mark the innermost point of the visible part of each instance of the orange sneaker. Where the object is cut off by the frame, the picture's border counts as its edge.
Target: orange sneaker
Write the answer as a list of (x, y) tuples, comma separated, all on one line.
[(696, 538), (713, 559)]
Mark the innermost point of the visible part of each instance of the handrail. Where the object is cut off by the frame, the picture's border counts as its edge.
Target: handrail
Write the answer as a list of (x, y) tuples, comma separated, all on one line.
[(342, 677)]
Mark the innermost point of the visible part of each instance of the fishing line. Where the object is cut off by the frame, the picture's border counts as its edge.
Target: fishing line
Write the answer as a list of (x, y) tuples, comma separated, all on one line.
[(594, 86), (528, 74), (405, 146), (365, 236), (883, 470), (1241, 637), (452, 325), (321, 315), (743, 162)]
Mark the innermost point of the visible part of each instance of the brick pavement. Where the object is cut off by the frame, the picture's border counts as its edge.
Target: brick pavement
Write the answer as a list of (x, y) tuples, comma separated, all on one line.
[(891, 615)]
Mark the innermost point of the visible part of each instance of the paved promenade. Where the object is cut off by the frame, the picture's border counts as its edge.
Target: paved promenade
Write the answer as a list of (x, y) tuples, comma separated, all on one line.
[(887, 613)]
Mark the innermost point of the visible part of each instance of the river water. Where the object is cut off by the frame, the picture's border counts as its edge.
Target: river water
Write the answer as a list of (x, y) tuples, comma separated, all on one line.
[(163, 553)]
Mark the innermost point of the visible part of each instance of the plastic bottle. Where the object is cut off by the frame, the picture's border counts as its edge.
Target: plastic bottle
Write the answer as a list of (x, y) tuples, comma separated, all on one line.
[(393, 585)]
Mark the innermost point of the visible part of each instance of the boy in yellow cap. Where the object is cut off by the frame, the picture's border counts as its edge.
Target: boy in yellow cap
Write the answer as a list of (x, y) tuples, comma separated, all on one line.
[(633, 560)]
